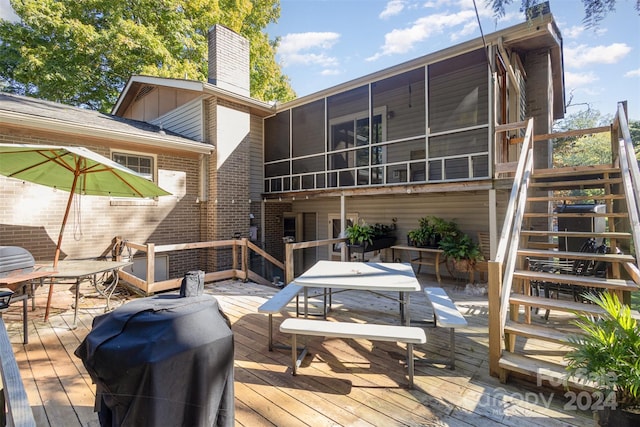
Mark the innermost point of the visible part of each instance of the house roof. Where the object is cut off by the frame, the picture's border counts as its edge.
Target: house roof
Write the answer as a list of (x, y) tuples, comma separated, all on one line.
[(137, 83), (37, 114)]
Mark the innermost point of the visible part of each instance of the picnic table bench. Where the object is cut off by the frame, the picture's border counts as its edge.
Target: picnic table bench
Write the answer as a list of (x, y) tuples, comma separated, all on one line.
[(277, 304), (374, 332), (445, 315)]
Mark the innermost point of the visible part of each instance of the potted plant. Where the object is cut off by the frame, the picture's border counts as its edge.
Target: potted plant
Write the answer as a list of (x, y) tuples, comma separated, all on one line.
[(422, 236), (607, 353), (461, 250), (360, 234)]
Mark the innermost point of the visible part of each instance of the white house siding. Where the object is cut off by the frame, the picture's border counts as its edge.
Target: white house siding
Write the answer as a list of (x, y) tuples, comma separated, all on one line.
[(185, 120)]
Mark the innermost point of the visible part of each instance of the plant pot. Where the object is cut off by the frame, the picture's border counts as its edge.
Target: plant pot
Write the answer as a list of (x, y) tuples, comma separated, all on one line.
[(608, 417), (463, 265)]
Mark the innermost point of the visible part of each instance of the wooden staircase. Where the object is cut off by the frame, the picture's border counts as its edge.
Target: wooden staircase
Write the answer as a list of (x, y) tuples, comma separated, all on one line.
[(534, 343)]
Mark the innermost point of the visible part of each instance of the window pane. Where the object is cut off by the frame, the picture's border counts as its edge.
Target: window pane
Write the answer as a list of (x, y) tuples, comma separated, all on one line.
[(435, 170), (458, 94), (342, 135), (455, 144), (377, 175), (480, 166), (140, 164), (456, 168), (276, 137), (403, 98), (276, 169), (307, 129), (362, 132), (348, 103), (310, 164)]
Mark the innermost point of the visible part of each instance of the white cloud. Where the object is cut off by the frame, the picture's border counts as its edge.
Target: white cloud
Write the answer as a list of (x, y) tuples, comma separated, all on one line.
[(633, 73), (575, 80), (573, 32), (581, 55), (6, 12), (394, 7), (330, 72), (400, 41), (308, 48)]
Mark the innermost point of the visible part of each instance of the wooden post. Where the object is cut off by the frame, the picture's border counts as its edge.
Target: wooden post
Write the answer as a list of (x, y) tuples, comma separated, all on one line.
[(234, 256), (245, 259), (151, 264), (495, 329), (288, 263)]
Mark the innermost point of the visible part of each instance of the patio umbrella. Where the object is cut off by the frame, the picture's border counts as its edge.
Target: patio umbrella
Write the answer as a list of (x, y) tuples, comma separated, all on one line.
[(76, 170)]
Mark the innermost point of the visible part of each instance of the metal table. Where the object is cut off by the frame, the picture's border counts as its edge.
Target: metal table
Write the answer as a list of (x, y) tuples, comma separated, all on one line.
[(80, 270), (363, 276)]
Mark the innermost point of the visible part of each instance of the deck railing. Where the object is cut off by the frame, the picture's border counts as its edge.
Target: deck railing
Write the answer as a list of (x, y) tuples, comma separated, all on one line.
[(240, 269), (499, 286), (18, 411)]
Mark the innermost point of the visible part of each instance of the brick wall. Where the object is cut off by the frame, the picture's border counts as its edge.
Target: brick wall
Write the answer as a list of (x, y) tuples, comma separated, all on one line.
[(228, 60), (32, 214)]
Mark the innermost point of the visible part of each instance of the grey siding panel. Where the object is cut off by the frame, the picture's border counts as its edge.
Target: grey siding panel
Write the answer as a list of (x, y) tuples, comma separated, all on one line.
[(469, 210), (186, 120)]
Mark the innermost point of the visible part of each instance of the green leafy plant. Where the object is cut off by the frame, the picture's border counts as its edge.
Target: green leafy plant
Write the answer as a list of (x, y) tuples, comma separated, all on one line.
[(608, 351), (459, 246), (359, 234)]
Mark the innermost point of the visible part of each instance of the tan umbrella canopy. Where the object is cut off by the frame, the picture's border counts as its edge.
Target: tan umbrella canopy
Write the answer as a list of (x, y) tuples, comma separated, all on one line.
[(76, 170)]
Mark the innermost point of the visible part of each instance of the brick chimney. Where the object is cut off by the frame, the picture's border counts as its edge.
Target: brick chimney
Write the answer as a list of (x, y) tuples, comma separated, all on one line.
[(228, 60)]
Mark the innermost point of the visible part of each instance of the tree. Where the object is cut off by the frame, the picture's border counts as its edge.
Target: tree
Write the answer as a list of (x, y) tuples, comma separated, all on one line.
[(582, 150), (83, 52), (594, 10)]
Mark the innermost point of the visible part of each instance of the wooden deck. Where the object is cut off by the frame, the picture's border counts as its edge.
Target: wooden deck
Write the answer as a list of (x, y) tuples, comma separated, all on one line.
[(341, 383)]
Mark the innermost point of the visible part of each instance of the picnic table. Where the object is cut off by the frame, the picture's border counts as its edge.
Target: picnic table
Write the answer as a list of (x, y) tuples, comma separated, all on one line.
[(362, 276)]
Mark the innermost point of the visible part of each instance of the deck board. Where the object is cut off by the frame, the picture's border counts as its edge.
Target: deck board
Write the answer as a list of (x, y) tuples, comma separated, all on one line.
[(341, 383)]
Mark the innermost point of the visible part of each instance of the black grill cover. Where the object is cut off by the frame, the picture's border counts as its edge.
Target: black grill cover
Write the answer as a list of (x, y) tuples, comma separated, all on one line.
[(162, 361)]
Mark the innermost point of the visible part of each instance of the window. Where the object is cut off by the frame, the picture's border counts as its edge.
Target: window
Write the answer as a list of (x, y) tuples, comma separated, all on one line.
[(145, 166), (142, 164)]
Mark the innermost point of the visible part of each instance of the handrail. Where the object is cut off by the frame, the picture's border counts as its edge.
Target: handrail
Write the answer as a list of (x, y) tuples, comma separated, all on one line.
[(19, 412), (499, 287), (630, 175)]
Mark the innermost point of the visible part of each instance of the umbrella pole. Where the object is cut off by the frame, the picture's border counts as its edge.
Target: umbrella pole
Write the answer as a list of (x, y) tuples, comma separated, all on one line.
[(57, 255)]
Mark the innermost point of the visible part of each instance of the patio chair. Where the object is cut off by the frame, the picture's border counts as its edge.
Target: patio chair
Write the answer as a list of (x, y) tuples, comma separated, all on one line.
[(578, 267)]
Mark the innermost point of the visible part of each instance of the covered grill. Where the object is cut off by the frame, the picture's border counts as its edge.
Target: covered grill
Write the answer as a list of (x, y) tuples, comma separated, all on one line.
[(163, 360)]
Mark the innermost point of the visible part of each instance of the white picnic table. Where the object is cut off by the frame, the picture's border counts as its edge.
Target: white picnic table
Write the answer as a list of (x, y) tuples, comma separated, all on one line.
[(362, 276)]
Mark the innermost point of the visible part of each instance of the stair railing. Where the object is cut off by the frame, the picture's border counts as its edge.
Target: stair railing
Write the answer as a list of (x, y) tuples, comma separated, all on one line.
[(506, 254), (630, 175)]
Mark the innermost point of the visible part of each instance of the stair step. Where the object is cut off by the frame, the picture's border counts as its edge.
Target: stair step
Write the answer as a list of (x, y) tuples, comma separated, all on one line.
[(584, 198), (545, 254), (545, 333), (569, 279), (578, 183), (585, 234), (542, 370), (598, 170), (576, 215), (555, 304)]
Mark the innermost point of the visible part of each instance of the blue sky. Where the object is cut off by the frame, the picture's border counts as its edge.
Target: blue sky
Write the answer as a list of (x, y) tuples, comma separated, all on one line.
[(328, 42)]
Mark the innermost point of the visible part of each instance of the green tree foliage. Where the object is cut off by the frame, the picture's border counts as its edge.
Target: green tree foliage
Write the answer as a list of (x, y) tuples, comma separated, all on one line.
[(594, 10), (83, 52), (587, 149)]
